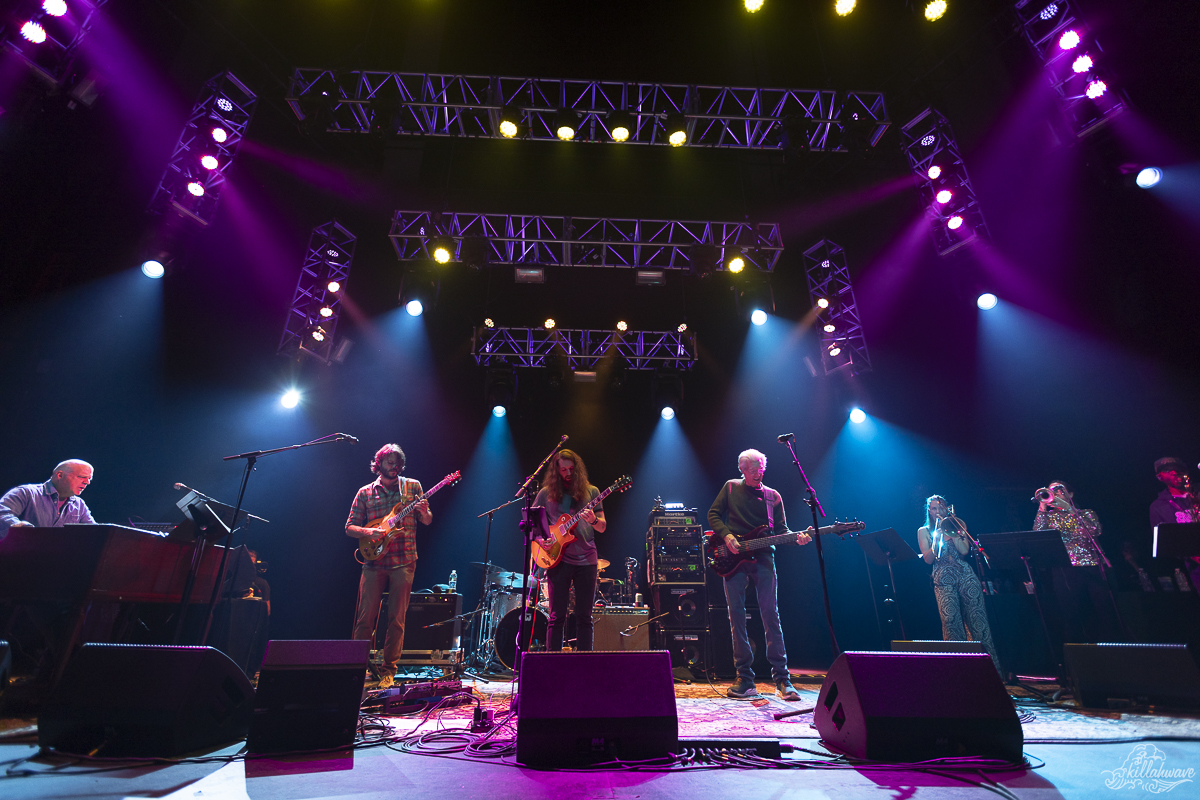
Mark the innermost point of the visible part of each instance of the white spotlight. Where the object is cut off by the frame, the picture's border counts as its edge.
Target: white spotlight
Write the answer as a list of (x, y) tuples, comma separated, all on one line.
[(857, 416), (414, 308), (290, 399), (153, 269), (1150, 176), (987, 300), (499, 411), (668, 412), (758, 317)]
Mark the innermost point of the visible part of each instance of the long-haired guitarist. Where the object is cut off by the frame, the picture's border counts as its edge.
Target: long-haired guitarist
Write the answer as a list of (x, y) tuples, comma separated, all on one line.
[(565, 488), (394, 570), (742, 506)]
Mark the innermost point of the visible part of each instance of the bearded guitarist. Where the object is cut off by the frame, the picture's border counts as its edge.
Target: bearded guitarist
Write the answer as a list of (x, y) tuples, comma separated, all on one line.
[(565, 489), (742, 506), (393, 571)]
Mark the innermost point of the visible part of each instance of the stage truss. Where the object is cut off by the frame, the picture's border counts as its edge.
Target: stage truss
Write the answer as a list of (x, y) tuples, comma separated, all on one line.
[(329, 257), (845, 347), (585, 350), (428, 104)]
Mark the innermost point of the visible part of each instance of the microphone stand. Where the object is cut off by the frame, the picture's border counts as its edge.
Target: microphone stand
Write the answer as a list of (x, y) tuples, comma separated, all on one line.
[(487, 540), (1088, 529), (528, 491), (814, 506)]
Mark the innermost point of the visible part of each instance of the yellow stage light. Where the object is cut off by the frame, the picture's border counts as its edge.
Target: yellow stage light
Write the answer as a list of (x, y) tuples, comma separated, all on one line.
[(843, 7), (935, 10)]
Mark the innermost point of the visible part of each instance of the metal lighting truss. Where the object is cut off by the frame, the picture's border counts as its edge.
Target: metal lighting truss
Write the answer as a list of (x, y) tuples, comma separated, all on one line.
[(929, 143), (224, 103), (330, 254), (54, 58), (584, 349), (1044, 22), (844, 347), (425, 104), (589, 241)]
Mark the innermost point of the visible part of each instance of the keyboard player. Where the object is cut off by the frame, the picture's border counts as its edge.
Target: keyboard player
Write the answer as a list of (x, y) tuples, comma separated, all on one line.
[(52, 504)]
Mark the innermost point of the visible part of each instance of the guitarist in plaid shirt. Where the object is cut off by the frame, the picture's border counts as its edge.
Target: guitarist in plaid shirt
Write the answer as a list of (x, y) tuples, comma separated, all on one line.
[(394, 570)]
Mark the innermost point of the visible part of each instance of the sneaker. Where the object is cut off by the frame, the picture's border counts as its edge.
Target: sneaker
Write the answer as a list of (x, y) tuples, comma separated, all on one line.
[(386, 681), (785, 691), (743, 687)]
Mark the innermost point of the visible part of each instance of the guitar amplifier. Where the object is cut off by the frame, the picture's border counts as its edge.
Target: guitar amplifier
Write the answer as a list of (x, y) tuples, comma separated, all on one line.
[(682, 603), (676, 554), (422, 645), (613, 621)]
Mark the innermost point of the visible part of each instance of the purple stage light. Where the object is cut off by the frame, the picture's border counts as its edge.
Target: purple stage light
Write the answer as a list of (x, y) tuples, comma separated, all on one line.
[(196, 188), (934, 172), (1096, 89), (944, 196), (219, 135), (954, 223), (1048, 12), (55, 8), (927, 140), (33, 32), (224, 104), (1069, 40), (1082, 64), (208, 162)]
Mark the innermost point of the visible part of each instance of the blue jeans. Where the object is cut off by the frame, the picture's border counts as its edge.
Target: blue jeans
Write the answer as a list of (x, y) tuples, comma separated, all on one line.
[(762, 571)]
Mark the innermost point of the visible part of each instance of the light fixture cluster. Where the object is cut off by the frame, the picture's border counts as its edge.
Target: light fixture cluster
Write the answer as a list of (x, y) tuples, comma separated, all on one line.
[(617, 126), (835, 311), (942, 181), (1074, 63), (48, 39), (317, 303)]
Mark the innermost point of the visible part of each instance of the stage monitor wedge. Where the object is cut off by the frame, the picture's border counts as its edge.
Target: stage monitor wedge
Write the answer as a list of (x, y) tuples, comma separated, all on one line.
[(1114, 676), (902, 707)]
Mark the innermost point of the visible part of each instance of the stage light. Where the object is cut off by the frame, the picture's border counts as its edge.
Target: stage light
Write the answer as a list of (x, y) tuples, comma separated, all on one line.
[(843, 7), (934, 172), (196, 189), (499, 411), (1150, 176), (620, 133), (667, 412), (682, 328), (209, 161), (622, 326), (219, 135), (758, 316), (736, 263), (317, 333), (1096, 89), (290, 398), (333, 286), (55, 8), (326, 312), (834, 350), (935, 10), (564, 124), (620, 125), (954, 223), (857, 416), (489, 323), (927, 140), (510, 122), (1048, 12), (153, 269), (1082, 64), (441, 249), (944, 196), (666, 392), (822, 302), (500, 389), (676, 127), (987, 300), (414, 308), (224, 104), (1069, 40), (33, 32), (550, 323), (830, 327), (753, 5)]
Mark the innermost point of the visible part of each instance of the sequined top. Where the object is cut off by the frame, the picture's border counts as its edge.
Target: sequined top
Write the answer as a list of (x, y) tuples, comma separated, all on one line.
[(1075, 531)]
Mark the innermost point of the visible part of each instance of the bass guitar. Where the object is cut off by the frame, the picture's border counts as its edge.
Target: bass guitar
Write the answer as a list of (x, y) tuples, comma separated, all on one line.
[(372, 549), (548, 552), (725, 563)]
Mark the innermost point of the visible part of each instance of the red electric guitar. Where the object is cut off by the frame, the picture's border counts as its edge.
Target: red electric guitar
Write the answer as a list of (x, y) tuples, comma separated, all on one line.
[(548, 552)]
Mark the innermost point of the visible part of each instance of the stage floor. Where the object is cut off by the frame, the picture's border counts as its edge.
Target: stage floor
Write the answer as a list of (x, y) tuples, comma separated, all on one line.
[(1071, 753)]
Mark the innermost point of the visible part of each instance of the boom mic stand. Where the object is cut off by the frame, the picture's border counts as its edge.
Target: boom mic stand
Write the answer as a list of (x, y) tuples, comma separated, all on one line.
[(814, 505), (487, 573)]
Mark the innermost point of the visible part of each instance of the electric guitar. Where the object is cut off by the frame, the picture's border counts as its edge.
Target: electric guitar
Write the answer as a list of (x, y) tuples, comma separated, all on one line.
[(372, 549), (725, 563), (548, 552)]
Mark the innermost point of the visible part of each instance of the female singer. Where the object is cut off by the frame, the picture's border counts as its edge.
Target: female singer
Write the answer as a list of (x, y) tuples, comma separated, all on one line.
[(959, 594)]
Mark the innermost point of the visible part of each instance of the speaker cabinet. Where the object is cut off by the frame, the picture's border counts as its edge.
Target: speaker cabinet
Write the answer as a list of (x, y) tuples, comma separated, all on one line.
[(683, 605), (688, 649), (722, 643), (913, 706), (428, 609), (581, 708), (935, 646), (1111, 676), (5, 665), (715, 587), (309, 693), (146, 701), (612, 622)]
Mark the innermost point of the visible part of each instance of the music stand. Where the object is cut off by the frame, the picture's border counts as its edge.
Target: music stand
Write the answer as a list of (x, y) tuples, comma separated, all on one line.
[(886, 547), (1176, 540), (1043, 549)]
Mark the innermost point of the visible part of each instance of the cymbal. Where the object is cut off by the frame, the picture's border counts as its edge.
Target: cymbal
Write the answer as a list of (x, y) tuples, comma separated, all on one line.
[(487, 564), (602, 563)]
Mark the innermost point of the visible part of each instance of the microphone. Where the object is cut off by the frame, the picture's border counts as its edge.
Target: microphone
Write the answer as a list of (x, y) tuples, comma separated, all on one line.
[(563, 439), (179, 487), (785, 437), (346, 436)]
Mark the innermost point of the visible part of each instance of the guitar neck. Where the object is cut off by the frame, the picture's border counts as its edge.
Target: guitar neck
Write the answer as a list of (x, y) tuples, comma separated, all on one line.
[(590, 504), (404, 512), (767, 541)]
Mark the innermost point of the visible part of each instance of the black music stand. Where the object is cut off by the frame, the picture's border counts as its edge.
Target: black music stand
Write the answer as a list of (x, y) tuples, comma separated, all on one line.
[(886, 547), (1176, 540), (1041, 549)]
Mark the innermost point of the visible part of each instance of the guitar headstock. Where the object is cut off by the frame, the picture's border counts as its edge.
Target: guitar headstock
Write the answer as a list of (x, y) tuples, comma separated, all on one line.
[(849, 526), (452, 478), (622, 483)]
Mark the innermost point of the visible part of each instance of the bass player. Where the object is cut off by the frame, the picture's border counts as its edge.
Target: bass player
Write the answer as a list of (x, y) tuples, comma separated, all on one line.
[(393, 570), (740, 507), (565, 489)]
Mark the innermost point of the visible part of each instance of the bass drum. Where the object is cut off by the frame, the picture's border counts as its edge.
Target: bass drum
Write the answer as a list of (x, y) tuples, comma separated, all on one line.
[(506, 635)]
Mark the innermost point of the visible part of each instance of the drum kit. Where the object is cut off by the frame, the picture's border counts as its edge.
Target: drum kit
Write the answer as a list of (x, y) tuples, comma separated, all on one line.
[(499, 616)]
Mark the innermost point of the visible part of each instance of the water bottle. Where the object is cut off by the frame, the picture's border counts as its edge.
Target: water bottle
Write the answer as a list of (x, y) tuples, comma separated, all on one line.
[(453, 581)]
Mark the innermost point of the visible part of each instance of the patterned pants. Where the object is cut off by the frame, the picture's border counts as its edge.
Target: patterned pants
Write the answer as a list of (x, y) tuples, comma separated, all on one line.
[(960, 604)]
